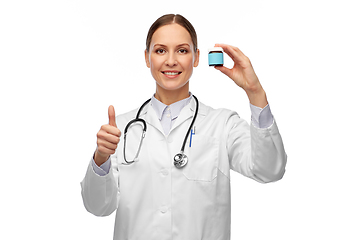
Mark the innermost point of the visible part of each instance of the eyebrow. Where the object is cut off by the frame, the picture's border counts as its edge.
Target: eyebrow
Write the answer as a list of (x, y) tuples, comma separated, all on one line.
[(180, 45)]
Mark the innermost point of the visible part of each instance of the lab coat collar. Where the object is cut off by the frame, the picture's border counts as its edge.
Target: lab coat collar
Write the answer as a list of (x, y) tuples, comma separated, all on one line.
[(150, 116), (175, 108)]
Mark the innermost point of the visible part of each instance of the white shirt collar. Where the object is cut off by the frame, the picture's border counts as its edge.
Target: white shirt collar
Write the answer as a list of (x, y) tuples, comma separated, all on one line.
[(174, 109)]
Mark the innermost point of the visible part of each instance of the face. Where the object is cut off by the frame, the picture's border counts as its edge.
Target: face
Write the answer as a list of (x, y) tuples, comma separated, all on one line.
[(171, 57)]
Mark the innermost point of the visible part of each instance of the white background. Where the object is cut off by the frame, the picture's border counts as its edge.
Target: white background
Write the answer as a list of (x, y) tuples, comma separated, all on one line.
[(63, 62)]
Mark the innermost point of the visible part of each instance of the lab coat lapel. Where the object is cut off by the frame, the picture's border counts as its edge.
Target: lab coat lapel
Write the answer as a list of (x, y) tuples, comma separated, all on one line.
[(186, 113), (151, 118)]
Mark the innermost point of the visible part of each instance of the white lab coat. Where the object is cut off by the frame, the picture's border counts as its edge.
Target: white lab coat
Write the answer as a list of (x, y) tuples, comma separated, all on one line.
[(156, 201)]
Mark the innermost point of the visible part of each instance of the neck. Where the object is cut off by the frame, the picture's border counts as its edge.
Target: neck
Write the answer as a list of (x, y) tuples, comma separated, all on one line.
[(169, 97)]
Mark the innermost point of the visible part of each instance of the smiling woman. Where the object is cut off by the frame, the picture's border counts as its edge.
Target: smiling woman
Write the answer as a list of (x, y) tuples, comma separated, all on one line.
[(157, 195)]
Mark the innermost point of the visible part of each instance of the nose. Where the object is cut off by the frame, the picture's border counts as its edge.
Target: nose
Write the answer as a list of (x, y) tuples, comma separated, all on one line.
[(171, 61)]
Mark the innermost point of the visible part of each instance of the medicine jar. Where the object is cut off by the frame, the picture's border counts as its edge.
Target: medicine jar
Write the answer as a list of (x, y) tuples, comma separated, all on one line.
[(216, 57)]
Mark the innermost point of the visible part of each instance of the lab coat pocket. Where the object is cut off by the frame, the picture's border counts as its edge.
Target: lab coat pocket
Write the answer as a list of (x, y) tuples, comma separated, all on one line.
[(203, 158)]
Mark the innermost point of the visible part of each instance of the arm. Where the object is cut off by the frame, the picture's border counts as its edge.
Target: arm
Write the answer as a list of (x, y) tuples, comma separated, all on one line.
[(259, 154), (100, 191)]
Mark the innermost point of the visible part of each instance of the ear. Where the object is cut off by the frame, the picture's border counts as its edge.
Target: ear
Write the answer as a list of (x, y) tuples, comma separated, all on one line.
[(147, 58), (197, 58)]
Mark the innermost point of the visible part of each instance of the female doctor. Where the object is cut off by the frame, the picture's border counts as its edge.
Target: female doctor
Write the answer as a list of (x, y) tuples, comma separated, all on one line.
[(156, 190)]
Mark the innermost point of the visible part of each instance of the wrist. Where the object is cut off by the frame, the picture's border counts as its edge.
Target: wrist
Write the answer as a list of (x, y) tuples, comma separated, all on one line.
[(257, 97), (100, 158)]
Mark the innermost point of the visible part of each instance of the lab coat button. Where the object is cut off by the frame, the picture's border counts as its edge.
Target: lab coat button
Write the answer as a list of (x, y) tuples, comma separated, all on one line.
[(164, 172), (163, 209)]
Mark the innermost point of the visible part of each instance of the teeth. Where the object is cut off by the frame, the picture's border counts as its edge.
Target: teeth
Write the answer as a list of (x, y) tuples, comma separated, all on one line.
[(171, 73)]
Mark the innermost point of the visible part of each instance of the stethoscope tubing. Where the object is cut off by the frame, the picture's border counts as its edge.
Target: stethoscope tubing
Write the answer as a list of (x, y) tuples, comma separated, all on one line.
[(191, 125), (180, 159)]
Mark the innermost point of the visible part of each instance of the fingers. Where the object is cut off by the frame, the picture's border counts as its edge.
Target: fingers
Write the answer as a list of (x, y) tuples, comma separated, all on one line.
[(111, 112), (109, 133), (235, 54), (105, 147), (107, 139), (224, 70)]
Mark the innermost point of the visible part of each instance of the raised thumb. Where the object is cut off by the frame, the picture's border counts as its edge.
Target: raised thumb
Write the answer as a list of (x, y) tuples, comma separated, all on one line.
[(112, 121)]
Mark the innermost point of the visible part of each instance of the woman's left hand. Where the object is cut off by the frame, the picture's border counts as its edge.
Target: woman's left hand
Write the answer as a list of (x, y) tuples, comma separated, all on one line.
[(244, 75)]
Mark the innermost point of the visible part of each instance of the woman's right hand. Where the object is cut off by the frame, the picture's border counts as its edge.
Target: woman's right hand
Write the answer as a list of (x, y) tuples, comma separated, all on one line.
[(108, 138)]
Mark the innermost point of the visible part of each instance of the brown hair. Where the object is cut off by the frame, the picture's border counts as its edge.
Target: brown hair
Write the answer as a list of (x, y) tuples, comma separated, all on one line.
[(169, 19)]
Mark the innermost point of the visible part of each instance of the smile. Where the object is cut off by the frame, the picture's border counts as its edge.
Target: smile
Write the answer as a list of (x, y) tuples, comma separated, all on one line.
[(172, 73)]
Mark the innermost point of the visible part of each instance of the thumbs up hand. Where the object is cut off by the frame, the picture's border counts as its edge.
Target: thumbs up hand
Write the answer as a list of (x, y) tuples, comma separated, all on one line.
[(108, 138)]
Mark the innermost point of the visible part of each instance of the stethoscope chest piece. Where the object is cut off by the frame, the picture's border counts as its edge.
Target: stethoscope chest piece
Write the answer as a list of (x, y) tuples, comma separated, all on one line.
[(180, 160)]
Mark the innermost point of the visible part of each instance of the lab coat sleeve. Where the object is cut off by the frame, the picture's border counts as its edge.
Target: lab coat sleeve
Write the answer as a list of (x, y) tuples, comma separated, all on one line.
[(100, 193), (103, 169), (257, 153)]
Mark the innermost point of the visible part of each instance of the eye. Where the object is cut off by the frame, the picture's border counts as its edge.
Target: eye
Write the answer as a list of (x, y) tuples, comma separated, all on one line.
[(183, 51), (160, 51)]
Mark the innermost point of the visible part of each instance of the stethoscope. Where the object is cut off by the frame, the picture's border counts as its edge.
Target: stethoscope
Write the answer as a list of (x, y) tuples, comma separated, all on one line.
[(180, 159)]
